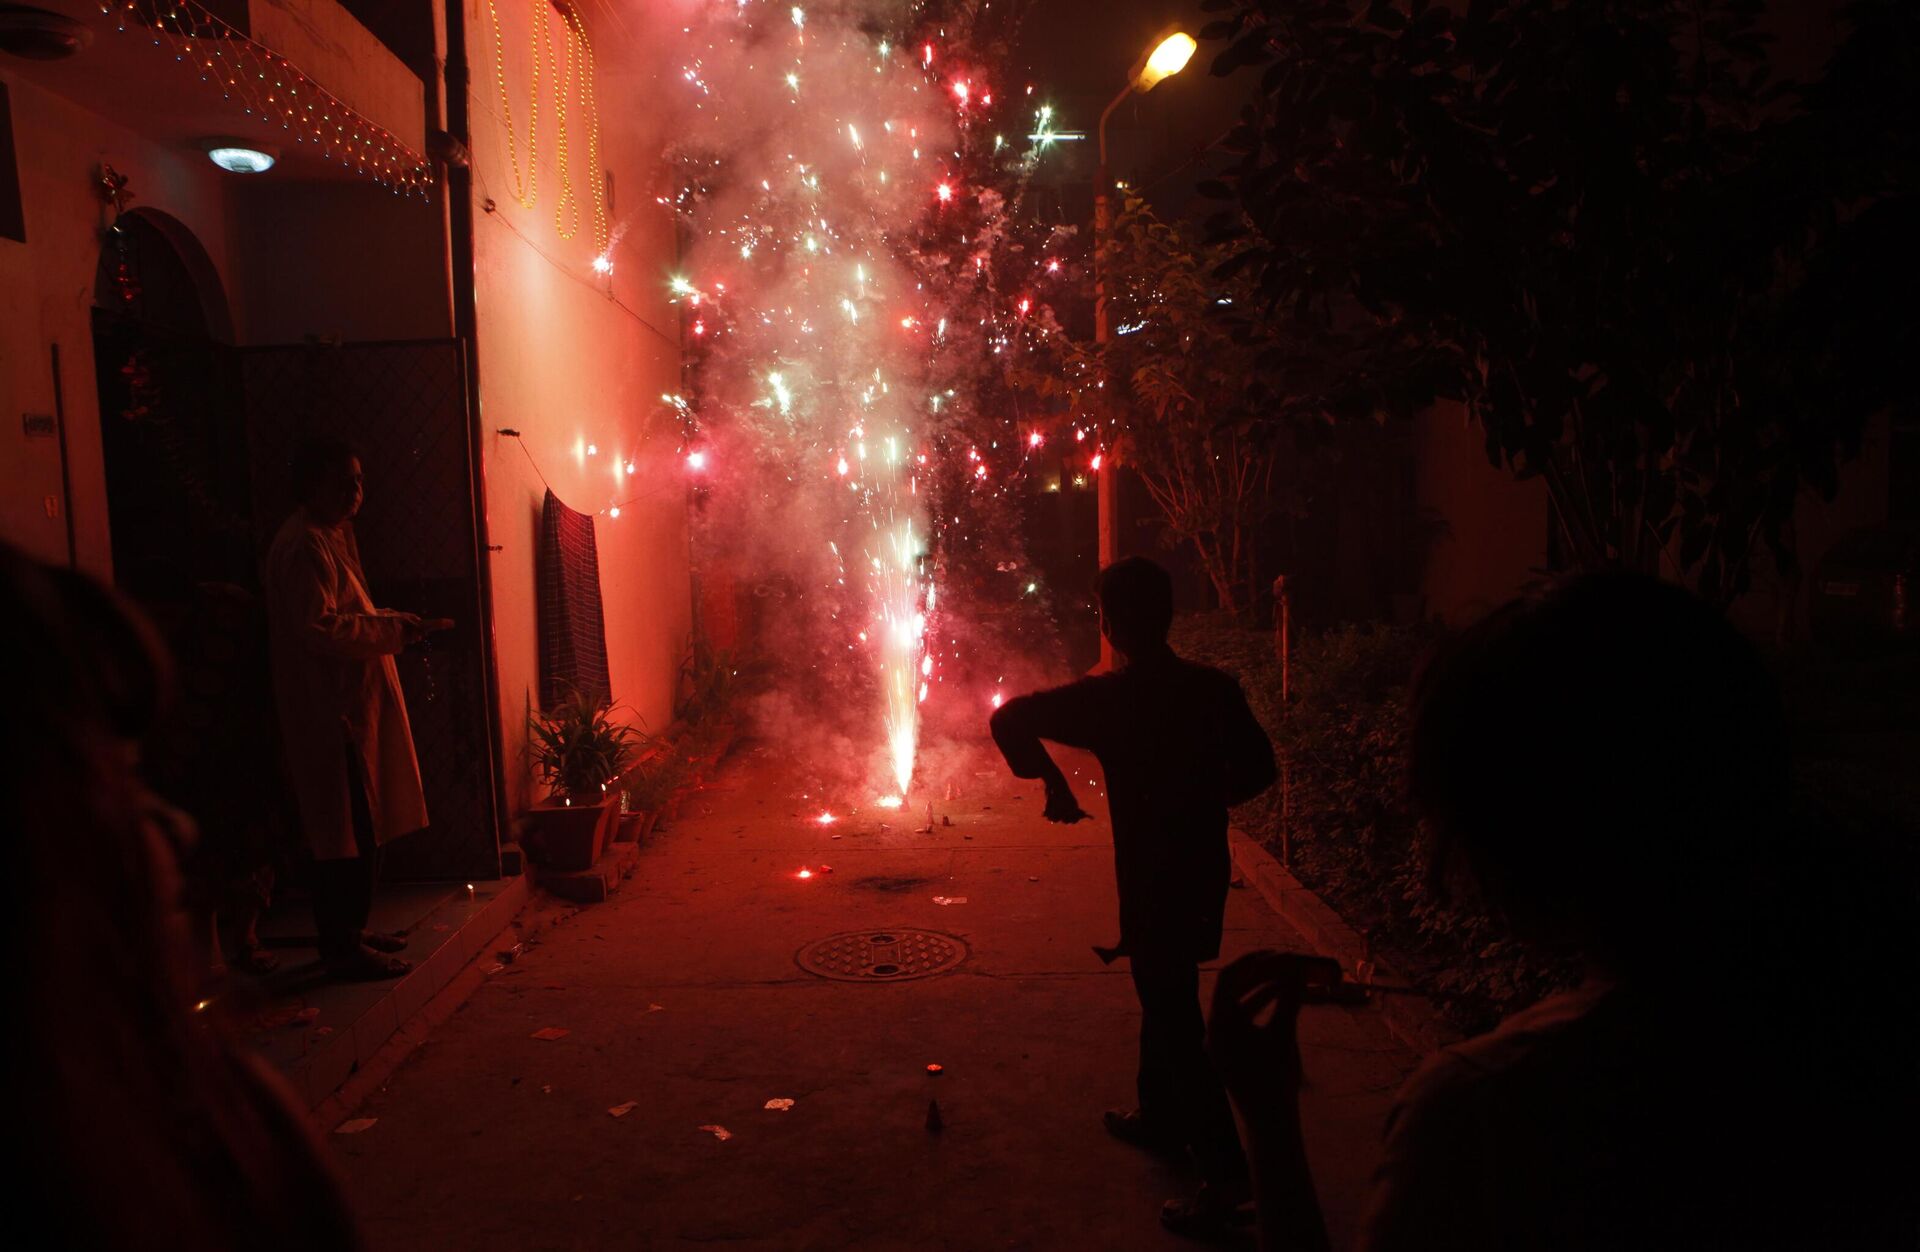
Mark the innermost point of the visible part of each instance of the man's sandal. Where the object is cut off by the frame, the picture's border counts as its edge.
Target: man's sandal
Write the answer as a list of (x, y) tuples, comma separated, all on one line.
[(382, 942)]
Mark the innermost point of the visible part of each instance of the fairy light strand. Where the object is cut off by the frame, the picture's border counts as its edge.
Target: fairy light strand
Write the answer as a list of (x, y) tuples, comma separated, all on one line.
[(272, 89)]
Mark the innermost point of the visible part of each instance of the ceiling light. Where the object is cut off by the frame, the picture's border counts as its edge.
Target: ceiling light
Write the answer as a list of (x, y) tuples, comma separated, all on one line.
[(236, 159)]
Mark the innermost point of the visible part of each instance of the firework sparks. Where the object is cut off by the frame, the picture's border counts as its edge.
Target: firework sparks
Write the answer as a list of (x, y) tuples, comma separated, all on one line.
[(820, 317)]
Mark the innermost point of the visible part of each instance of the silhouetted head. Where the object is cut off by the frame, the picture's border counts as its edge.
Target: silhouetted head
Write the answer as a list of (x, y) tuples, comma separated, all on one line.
[(1610, 760), (1136, 605), (124, 1069), (327, 479)]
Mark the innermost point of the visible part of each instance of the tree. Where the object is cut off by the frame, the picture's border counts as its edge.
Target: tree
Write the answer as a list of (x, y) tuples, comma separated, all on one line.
[(1216, 435), (1659, 278)]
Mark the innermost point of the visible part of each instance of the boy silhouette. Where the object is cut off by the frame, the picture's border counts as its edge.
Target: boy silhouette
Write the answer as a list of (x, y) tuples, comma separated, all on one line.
[(1178, 746)]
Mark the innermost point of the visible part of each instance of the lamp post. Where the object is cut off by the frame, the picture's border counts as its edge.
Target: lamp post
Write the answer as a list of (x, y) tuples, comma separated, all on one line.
[(1165, 58)]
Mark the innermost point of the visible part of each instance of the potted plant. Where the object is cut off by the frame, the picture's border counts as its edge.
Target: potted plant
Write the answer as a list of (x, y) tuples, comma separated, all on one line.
[(707, 682), (651, 784), (579, 752)]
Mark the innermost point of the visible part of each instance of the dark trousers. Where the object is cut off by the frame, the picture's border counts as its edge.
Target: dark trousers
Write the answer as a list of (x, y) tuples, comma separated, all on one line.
[(1179, 1090), (343, 888)]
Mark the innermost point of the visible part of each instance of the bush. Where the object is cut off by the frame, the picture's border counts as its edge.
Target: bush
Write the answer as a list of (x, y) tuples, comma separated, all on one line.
[(1350, 834), (652, 782)]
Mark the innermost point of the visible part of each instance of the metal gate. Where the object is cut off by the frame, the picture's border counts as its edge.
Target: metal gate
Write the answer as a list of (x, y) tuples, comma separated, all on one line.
[(404, 405)]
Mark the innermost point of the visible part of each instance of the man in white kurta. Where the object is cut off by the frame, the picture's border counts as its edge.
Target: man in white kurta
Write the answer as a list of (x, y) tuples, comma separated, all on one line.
[(343, 718)]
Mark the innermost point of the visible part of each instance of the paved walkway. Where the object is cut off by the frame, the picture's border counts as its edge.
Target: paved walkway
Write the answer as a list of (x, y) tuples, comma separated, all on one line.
[(682, 994)]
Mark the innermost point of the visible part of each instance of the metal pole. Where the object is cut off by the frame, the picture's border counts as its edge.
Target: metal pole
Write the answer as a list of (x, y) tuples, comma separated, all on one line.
[(460, 230), (1283, 644), (66, 474), (1106, 498)]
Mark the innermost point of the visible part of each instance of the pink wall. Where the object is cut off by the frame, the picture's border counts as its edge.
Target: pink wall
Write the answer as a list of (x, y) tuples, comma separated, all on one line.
[(569, 367), (1495, 528), (46, 298)]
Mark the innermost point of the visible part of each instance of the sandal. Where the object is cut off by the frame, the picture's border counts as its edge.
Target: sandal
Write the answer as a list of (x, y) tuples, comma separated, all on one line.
[(367, 965), (382, 942), (1209, 1217), (254, 961)]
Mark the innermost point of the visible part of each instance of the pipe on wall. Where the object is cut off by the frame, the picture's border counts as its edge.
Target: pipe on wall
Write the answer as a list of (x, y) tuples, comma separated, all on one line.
[(460, 236)]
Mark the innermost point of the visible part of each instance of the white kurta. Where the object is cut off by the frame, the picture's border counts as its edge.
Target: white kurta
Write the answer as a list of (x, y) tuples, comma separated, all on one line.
[(337, 689)]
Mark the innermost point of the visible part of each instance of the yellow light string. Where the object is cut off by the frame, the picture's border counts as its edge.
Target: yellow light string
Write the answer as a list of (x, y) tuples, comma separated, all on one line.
[(527, 190), (589, 100), (569, 202)]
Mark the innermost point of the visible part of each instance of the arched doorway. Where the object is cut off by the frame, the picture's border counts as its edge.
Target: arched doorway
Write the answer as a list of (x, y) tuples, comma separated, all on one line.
[(172, 436)]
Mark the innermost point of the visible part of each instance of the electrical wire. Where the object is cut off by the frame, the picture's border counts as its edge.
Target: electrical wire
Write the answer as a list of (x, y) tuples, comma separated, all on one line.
[(570, 271), (611, 509)]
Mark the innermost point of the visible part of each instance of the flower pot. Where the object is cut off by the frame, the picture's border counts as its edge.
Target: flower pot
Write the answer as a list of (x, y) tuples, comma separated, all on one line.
[(634, 826), (569, 837)]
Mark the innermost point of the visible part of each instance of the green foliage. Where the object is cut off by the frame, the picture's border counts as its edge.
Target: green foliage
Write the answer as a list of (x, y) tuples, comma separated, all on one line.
[(578, 748), (707, 677), (1202, 413), (1661, 280), (651, 782), (707, 740), (1351, 834)]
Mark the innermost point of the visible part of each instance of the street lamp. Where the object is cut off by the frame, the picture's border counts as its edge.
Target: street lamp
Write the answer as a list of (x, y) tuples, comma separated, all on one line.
[(1166, 57)]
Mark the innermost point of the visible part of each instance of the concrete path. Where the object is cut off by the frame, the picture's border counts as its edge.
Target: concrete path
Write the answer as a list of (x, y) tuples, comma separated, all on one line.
[(682, 994)]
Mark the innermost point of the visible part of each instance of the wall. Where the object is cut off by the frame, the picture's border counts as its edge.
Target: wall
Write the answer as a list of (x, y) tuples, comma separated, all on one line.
[(325, 41), (46, 297), (1491, 530), (346, 259), (570, 368)]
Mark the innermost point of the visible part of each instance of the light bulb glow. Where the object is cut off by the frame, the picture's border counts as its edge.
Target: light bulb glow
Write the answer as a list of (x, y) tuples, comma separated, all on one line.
[(1167, 59), (237, 160)]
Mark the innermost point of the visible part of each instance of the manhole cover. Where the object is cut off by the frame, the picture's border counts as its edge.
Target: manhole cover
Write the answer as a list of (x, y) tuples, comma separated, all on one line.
[(881, 955)]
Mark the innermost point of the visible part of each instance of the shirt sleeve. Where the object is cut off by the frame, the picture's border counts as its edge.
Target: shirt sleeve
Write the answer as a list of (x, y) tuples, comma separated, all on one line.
[(303, 593), (1430, 1190), (1068, 715), (1249, 753)]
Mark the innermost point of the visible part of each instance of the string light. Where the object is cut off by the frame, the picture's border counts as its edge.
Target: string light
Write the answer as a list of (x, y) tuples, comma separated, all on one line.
[(527, 190), (575, 90), (271, 88)]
